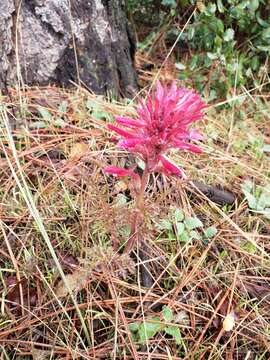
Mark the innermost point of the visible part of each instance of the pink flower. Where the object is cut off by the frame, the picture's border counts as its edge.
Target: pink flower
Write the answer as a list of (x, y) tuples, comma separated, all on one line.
[(117, 171), (163, 122)]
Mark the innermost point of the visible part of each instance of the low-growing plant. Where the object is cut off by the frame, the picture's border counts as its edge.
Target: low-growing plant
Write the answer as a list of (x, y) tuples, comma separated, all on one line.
[(186, 229), (148, 329), (163, 123), (258, 198)]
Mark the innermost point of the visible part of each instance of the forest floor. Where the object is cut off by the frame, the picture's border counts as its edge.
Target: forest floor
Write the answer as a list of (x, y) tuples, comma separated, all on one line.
[(68, 291)]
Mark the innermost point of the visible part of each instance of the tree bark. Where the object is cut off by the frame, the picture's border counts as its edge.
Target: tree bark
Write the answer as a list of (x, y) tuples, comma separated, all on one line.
[(64, 41)]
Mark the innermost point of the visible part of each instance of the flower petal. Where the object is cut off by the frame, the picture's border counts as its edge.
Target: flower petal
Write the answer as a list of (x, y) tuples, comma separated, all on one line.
[(170, 168), (128, 122), (195, 135), (131, 143), (163, 121), (117, 171), (189, 147), (119, 131)]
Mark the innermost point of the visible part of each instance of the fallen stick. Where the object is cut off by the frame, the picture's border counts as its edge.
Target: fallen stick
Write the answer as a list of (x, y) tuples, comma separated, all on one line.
[(218, 196)]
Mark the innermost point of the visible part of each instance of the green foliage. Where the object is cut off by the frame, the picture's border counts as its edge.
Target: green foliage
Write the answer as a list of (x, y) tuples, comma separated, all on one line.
[(48, 119), (258, 198), (229, 40), (233, 39), (146, 330), (96, 111), (186, 229)]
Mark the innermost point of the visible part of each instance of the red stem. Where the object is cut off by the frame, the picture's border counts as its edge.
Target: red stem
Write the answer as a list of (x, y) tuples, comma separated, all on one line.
[(138, 212)]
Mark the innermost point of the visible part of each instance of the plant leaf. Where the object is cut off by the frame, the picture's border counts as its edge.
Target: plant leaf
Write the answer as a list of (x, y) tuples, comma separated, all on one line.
[(184, 237), (228, 35), (167, 314), (210, 232), (148, 329), (195, 235), (178, 215), (180, 66), (193, 223), (164, 224), (180, 227), (175, 332), (46, 115), (133, 327)]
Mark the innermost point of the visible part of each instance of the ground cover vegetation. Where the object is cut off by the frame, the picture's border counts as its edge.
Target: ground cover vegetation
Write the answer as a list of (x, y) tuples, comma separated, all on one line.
[(199, 287)]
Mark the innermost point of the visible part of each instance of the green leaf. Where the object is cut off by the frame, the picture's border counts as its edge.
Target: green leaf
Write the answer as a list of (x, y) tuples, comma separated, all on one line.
[(133, 327), (63, 106), (266, 34), (38, 125), (184, 237), (211, 9), (44, 113), (90, 104), (171, 236), (183, 76), (180, 66), (219, 26), (255, 63), (164, 224), (140, 163), (220, 6), (266, 213), (167, 314), (193, 223), (180, 228), (228, 35), (262, 22), (194, 62), (191, 33), (195, 235), (264, 48), (263, 201), (247, 186), (252, 201), (171, 3), (210, 232), (178, 215), (147, 330), (101, 115), (212, 56), (60, 123), (175, 332), (253, 5), (249, 247)]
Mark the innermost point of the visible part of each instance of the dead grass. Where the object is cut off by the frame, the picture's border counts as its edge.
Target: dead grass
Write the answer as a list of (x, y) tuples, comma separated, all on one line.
[(53, 192)]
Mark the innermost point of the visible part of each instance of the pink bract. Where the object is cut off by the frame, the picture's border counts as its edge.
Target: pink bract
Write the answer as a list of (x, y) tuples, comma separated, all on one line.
[(163, 122), (117, 171)]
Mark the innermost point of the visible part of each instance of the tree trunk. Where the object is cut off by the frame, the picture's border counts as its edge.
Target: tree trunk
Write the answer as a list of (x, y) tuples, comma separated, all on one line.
[(64, 41)]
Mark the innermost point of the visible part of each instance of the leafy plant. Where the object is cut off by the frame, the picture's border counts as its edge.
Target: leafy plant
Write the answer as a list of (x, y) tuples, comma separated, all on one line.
[(232, 38), (258, 198), (97, 112), (163, 122), (146, 330), (185, 228), (229, 42)]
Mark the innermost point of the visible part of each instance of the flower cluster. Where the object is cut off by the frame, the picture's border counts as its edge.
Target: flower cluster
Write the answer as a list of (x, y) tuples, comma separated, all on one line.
[(163, 122)]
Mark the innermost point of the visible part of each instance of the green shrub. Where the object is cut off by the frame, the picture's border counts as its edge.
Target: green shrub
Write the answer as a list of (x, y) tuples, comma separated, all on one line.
[(231, 38)]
